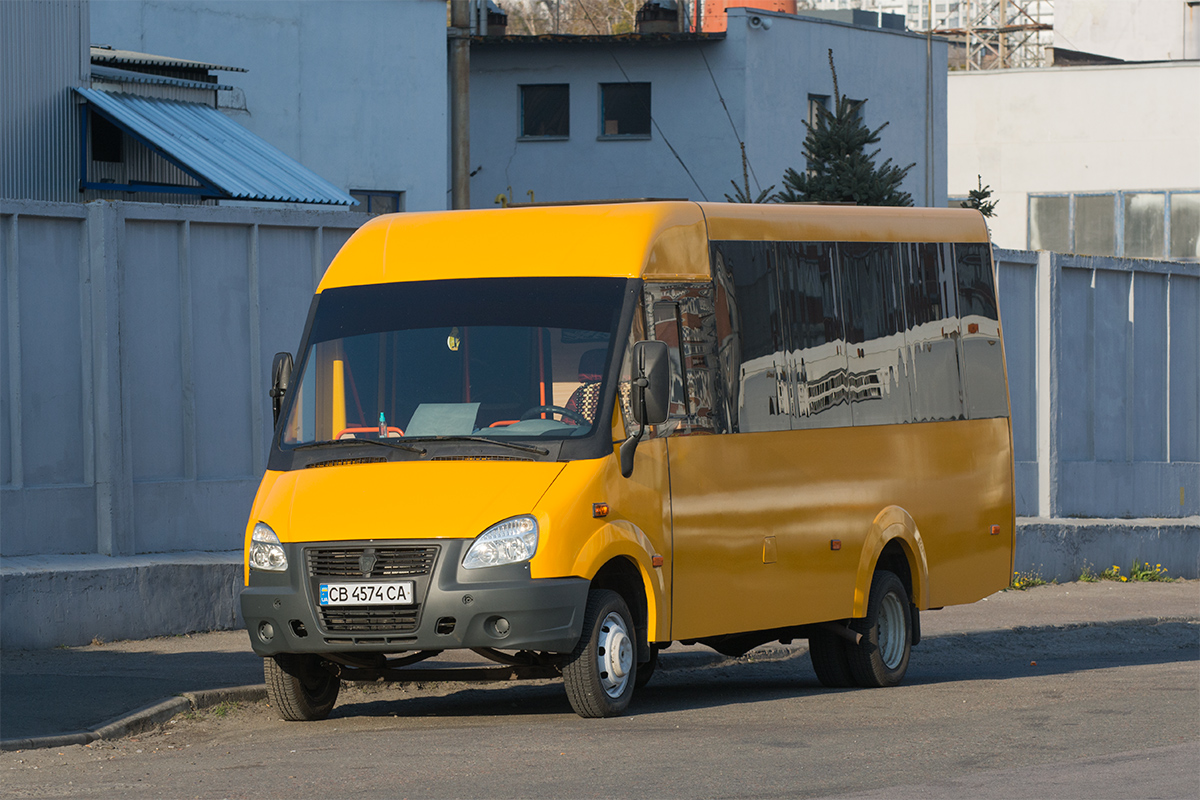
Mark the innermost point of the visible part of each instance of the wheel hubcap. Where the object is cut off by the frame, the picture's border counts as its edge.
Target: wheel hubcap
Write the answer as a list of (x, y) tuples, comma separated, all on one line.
[(892, 631), (614, 655)]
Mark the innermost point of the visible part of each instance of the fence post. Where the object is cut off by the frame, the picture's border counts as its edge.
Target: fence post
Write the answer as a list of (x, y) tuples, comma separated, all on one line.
[(1049, 271), (114, 479)]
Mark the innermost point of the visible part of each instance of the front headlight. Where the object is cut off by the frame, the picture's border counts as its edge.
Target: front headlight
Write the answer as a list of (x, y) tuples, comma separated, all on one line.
[(266, 553), (507, 542)]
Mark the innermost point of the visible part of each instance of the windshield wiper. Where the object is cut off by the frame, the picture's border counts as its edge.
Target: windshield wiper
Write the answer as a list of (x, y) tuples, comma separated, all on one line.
[(381, 442), (528, 448)]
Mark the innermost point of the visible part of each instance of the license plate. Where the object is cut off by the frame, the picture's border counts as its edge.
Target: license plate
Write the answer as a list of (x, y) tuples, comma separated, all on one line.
[(397, 593)]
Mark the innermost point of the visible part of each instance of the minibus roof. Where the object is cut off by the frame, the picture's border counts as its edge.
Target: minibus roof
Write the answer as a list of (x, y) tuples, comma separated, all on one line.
[(665, 240)]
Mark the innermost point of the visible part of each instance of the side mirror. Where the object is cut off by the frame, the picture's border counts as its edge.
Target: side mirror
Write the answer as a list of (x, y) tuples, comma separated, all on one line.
[(281, 378), (650, 397)]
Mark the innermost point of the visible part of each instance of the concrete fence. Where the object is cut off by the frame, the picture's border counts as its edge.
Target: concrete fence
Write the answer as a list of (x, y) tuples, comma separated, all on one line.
[(1104, 376), (135, 351), (137, 344)]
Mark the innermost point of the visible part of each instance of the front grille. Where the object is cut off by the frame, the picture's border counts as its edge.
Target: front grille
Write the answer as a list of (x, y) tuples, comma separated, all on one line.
[(373, 619), (390, 562), (412, 562)]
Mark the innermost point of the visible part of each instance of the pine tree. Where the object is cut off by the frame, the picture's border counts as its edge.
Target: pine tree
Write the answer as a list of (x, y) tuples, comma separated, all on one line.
[(978, 199), (839, 168)]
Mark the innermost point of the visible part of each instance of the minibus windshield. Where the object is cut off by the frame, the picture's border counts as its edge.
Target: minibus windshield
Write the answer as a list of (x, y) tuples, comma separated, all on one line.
[(501, 358)]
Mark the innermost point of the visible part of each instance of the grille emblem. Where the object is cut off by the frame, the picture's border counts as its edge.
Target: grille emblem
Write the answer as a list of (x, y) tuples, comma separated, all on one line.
[(366, 563)]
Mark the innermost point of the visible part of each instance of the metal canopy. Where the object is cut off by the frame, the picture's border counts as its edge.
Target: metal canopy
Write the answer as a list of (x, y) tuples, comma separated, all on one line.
[(226, 159)]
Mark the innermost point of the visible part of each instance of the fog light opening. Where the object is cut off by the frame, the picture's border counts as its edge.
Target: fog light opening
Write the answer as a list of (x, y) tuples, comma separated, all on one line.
[(266, 631), (497, 627), (299, 629)]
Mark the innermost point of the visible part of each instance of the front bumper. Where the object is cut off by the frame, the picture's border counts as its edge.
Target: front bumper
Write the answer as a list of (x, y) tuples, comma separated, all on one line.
[(497, 607)]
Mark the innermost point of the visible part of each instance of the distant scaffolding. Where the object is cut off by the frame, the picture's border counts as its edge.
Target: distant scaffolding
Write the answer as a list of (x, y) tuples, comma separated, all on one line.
[(999, 34)]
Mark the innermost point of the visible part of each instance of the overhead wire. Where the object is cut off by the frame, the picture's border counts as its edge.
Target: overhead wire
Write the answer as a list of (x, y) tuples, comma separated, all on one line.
[(653, 121), (736, 135)]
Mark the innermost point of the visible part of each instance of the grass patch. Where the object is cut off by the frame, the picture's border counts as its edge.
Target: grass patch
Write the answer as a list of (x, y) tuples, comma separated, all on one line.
[(1140, 572), (1028, 579), (1088, 575), (223, 709)]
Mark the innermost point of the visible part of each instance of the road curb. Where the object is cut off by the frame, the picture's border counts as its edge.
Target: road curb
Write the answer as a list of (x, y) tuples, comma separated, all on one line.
[(144, 718)]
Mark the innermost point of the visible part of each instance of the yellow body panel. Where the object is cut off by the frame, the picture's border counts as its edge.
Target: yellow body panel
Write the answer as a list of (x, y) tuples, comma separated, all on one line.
[(627, 240), (862, 486), (785, 223), (442, 499)]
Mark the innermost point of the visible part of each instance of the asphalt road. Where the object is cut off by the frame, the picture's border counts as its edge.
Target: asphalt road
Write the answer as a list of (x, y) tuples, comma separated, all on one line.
[(1090, 712)]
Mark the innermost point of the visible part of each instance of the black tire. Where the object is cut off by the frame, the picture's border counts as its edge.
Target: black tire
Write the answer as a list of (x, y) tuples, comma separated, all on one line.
[(601, 672), (830, 660), (646, 671), (300, 689), (881, 659)]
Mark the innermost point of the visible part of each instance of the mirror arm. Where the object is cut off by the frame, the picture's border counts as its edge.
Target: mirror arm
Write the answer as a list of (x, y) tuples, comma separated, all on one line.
[(629, 446)]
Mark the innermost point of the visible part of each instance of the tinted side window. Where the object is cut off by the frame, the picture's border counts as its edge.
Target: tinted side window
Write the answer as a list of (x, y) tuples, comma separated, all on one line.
[(931, 331), (817, 358), (976, 290), (762, 397), (877, 362), (982, 355)]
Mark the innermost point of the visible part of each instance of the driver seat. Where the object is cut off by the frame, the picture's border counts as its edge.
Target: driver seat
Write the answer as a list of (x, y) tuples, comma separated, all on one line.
[(586, 399)]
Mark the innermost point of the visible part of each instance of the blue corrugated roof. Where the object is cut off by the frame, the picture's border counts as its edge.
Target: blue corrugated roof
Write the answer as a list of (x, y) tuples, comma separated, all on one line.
[(129, 76), (217, 150)]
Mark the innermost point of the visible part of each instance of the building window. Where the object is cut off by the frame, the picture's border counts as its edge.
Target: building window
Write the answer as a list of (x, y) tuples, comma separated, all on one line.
[(1050, 224), (1130, 224), (373, 201), (106, 140), (545, 111), (1095, 224), (625, 109), (1185, 225), (1144, 224)]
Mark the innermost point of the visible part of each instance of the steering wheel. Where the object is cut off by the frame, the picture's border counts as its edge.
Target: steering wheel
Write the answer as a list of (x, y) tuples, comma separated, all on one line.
[(566, 413)]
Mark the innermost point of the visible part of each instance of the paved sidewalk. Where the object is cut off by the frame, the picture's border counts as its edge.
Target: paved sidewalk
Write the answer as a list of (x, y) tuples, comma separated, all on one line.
[(76, 694)]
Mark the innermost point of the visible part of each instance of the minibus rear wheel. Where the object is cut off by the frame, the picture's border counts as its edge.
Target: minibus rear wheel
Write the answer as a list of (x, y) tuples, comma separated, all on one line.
[(827, 651), (881, 659), (601, 672), (300, 689)]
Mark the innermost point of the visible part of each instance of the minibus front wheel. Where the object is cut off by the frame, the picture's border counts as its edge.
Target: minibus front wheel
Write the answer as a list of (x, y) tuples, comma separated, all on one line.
[(601, 672), (299, 687)]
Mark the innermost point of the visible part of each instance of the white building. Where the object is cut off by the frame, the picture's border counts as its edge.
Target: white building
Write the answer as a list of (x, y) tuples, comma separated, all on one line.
[(1133, 30), (1102, 160)]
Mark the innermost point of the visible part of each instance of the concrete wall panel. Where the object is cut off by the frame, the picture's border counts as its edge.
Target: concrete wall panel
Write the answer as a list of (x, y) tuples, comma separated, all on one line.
[(1148, 399), (47, 519), (51, 411), (191, 515), (1185, 369), (221, 374), (151, 350), (10, 330), (1076, 366), (1110, 351)]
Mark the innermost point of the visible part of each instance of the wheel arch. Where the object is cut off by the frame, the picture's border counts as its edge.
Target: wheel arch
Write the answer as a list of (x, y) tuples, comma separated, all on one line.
[(893, 543), (621, 548)]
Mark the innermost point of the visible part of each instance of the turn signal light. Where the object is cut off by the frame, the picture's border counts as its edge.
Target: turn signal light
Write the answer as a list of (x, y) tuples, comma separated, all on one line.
[(599, 510), (995, 530), (835, 544)]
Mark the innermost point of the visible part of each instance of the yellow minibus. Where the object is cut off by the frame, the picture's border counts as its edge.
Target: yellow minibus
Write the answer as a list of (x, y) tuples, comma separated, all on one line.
[(565, 437)]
